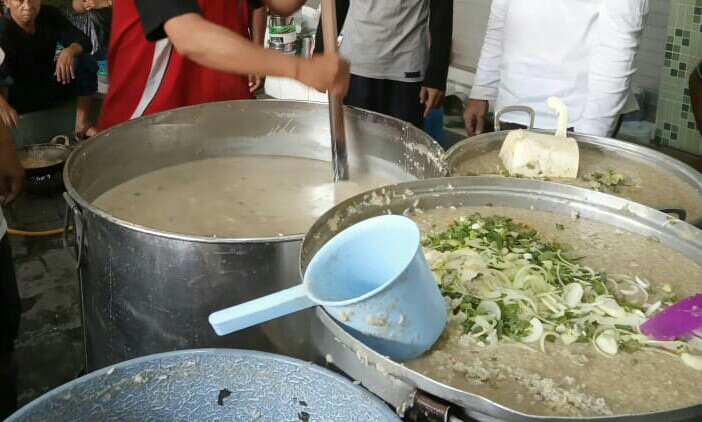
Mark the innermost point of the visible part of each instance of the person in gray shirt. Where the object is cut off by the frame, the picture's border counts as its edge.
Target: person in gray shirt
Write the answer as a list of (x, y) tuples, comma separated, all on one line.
[(399, 52)]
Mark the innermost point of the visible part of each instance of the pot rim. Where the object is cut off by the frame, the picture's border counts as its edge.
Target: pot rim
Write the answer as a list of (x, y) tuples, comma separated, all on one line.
[(297, 237)]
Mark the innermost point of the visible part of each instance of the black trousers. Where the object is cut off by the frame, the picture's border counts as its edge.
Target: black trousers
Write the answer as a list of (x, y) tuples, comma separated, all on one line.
[(9, 326), (30, 96), (396, 99)]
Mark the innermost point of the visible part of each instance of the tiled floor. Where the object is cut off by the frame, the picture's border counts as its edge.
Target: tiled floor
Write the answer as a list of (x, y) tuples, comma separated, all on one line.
[(49, 348)]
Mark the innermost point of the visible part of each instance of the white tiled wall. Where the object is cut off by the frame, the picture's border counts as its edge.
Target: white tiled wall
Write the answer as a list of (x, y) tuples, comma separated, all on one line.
[(469, 23), (650, 58), (470, 20)]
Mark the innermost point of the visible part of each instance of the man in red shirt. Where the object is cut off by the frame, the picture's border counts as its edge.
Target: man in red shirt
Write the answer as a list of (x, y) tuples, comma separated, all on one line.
[(197, 51)]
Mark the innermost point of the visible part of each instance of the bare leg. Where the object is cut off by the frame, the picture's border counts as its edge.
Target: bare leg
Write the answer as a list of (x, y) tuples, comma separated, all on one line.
[(83, 107)]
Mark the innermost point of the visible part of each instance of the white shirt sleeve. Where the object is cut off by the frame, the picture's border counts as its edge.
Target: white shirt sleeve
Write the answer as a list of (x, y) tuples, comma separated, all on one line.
[(619, 28), (487, 77)]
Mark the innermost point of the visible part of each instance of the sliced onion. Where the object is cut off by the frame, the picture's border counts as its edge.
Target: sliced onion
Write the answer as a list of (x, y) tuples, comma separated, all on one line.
[(611, 307), (606, 343), (491, 308), (653, 308), (535, 331), (542, 341), (573, 294), (642, 282)]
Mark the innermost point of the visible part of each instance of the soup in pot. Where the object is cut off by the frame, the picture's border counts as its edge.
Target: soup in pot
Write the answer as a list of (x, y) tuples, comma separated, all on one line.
[(544, 312), (243, 197)]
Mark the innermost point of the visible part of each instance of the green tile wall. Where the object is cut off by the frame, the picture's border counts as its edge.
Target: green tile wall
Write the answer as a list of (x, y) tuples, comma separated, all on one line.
[(675, 123)]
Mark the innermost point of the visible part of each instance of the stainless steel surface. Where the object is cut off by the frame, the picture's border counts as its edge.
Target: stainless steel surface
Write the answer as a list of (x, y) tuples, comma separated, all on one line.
[(340, 167), (512, 109), (307, 46), (396, 383), (489, 142), (284, 47), (146, 291), (276, 20), (208, 385)]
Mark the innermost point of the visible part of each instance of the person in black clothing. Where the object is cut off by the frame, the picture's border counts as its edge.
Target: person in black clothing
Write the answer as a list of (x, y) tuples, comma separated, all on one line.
[(399, 52), (11, 182), (33, 76)]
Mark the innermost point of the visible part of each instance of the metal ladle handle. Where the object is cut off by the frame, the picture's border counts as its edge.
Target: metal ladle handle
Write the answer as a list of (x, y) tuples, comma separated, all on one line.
[(511, 109), (336, 109)]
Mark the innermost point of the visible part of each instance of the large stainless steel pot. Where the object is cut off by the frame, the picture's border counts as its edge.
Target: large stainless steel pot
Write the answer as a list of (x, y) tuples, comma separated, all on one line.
[(401, 386), (490, 143), (208, 385), (146, 291)]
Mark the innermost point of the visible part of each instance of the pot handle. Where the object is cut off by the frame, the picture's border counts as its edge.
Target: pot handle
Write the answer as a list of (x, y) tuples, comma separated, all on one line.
[(679, 212), (61, 140), (511, 109), (427, 408), (72, 210)]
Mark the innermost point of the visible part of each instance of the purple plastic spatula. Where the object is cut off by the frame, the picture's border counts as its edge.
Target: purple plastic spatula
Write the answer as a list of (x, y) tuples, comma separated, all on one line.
[(676, 320)]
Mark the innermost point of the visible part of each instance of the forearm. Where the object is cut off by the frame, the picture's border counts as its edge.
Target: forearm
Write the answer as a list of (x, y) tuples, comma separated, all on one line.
[(258, 25), (193, 37), (487, 76), (75, 49), (70, 35), (696, 95), (440, 30)]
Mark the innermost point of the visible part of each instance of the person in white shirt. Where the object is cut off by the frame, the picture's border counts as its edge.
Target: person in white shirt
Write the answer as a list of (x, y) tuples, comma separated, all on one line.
[(11, 183), (579, 50)]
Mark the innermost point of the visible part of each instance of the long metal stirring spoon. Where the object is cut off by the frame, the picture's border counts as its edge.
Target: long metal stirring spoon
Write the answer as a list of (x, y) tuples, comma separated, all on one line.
[(340, 165)]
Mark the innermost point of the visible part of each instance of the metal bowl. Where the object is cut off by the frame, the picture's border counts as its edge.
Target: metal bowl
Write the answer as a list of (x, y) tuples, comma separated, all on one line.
[(208, 385), (47, 178), (490, 144), (400, 385)]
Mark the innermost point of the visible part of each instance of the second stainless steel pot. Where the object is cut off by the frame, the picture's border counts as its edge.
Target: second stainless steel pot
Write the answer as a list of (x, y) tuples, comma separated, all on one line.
[(405, 388), (462, 156)]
